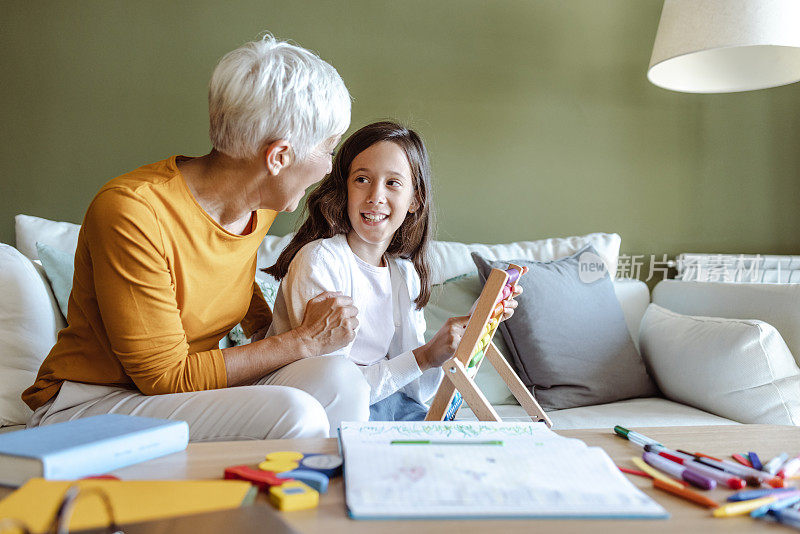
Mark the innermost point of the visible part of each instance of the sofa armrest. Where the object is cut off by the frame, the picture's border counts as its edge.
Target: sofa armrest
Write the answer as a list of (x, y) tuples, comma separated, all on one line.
[(776, 304)]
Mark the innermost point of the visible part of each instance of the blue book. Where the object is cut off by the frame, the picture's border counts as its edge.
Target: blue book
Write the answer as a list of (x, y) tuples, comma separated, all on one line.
[(88, 446)]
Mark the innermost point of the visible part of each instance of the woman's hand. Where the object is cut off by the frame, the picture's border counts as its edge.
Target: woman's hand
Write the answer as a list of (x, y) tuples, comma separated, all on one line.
[(443, 344), (329, 323)]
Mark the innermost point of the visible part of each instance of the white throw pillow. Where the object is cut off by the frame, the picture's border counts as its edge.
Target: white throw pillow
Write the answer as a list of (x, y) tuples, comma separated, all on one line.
[(735, 368), (450, 259), (29, 321), (59, 235), (269, 250)]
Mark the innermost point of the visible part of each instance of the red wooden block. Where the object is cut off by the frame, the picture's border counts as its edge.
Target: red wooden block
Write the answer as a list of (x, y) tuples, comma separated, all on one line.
[(262, 479)]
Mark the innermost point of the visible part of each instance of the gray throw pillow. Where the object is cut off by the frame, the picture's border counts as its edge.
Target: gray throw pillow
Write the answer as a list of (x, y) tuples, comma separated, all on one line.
[(568, 339)]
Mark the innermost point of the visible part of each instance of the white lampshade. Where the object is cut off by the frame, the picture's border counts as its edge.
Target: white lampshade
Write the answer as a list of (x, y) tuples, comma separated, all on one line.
[(725, 46)]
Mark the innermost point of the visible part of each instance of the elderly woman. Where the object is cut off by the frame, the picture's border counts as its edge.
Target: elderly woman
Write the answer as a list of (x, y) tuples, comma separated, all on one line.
[(165, 268)]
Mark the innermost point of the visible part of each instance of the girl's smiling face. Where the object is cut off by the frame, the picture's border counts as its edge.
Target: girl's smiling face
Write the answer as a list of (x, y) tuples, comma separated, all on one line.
[(380, 193)]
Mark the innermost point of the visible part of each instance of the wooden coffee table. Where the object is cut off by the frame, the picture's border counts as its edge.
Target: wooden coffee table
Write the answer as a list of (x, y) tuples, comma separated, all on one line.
[(208, 460)]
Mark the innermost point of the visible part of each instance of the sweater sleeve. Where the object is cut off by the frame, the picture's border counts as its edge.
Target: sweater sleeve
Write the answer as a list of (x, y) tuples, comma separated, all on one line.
[(258, 314), (136, 297)]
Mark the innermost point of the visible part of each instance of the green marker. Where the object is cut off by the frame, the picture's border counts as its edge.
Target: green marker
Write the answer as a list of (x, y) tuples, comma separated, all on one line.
[(635, 437), (430, 442)]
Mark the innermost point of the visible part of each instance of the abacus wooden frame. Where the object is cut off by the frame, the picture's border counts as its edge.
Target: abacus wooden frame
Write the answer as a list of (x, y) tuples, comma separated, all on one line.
[(455, 372)]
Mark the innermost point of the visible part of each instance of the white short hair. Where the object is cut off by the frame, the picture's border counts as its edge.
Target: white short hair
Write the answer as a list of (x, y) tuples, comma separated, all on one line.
[(268, 90)]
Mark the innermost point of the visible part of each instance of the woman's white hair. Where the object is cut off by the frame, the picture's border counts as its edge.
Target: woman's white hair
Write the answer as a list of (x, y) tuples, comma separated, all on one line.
[(268, 90)]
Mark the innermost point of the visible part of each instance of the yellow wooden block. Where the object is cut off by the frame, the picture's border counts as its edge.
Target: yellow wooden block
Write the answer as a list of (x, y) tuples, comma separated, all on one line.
[(285, 456), (277, 466), (293, 496)]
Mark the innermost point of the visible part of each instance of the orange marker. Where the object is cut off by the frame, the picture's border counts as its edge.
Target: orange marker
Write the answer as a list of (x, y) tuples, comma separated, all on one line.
[(685, 493), (776, 482)]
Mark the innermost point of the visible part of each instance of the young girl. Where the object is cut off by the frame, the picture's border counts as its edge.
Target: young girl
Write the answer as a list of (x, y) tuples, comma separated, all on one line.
[(366, 236)]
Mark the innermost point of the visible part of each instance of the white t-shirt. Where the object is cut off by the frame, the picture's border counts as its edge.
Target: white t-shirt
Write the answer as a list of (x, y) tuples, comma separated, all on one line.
[(374, 314)]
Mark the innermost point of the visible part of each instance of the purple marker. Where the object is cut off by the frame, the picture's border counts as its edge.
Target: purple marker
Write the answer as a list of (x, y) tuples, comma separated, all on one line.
[(678, 471)]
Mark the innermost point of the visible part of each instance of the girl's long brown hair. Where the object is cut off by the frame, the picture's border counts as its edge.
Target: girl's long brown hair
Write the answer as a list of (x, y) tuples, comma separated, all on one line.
[(326, 208)]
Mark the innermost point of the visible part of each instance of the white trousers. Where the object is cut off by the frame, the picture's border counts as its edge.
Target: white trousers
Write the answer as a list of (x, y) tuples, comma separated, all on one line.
[(305, 399)]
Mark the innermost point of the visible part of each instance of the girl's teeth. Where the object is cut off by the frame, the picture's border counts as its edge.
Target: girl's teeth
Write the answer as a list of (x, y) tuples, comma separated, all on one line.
[(373, 217)]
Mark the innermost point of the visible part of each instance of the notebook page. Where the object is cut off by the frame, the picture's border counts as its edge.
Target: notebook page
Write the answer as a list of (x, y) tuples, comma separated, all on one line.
[(535, 473)]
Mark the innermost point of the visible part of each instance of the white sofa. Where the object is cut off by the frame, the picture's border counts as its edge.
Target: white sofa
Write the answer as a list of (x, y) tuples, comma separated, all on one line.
[(30, 318)]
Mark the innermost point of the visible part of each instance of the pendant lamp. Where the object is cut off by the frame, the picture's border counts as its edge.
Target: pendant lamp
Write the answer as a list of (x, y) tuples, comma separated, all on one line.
[(726, 46)]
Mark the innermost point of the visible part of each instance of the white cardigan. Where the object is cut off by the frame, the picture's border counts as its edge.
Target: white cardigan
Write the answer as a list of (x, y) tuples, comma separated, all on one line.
[(330, 265)]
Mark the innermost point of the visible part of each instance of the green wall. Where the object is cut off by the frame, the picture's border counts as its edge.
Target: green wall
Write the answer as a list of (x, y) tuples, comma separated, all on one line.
[(538, 113)]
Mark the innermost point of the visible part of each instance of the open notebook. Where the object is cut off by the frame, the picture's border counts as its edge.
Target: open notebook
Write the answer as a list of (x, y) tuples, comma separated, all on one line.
[(533, 473)]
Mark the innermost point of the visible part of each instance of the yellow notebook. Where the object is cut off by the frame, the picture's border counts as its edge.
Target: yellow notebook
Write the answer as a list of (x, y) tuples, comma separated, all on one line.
[(36, 502)]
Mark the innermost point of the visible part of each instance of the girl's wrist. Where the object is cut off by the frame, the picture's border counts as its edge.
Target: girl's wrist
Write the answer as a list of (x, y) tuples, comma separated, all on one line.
[(421, 355)]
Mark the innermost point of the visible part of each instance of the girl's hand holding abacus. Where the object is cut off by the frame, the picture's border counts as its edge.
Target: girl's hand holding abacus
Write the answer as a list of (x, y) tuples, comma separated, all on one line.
[(443, 344), (510, 304), (329, 323)]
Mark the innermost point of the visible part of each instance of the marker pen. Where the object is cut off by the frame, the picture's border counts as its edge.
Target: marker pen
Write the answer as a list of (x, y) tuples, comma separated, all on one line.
[(678, 471)]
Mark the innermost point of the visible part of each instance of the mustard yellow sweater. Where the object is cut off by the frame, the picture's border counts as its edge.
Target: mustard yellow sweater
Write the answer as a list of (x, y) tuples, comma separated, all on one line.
[(157, 284)]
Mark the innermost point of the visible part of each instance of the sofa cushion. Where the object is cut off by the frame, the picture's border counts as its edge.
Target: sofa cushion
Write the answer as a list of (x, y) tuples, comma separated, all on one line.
[(776, 304), (449, 259), (652, 411), (634, 297), (736, 368), (269, 250), (59, 266), (568, 339), (60, 235), (29, 321)]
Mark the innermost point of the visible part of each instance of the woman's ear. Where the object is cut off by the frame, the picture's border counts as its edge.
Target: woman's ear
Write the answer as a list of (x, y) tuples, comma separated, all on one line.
[(414, 206), (278, 155)]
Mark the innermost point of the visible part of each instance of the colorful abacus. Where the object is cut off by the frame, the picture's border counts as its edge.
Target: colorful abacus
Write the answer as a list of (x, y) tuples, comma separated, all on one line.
[(474, 346)]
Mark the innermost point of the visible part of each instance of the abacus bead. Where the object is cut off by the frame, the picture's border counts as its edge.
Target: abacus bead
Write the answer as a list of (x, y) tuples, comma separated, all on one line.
[(513, 275), (506, 292)]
